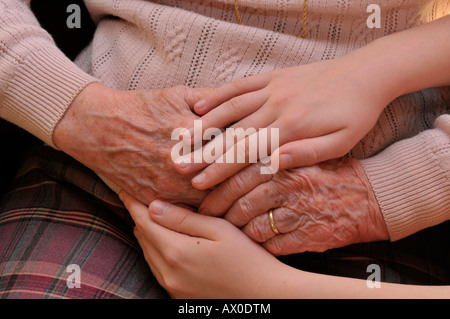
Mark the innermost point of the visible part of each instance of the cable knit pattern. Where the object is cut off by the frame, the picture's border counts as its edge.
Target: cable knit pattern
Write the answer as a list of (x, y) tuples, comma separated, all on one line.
[(227, 64), (174, 45), (199, 43)]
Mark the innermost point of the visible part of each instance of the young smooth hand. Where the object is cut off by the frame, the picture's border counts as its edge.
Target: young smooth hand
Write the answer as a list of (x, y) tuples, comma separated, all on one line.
[(315, 208), (197, 256), (321, 110)]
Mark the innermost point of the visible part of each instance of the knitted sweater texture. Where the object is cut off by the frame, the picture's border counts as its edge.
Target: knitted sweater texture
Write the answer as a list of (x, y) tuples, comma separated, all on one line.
[(199, 43)]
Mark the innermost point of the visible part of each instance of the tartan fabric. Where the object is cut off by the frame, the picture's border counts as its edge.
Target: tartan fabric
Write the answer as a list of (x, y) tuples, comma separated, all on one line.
[(56, 213)]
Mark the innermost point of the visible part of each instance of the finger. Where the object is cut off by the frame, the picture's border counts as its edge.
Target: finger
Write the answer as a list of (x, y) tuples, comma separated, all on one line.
[(221, 141), (257, 202), (230, 90), (230, 112), (260, 230), (259, 119), (152, 256), (159, 236), (220, 199), (194, 95), (137, 210), (257, 146), (219, 171), (285, 244), (183, 221), (311, 151), (198, 156)]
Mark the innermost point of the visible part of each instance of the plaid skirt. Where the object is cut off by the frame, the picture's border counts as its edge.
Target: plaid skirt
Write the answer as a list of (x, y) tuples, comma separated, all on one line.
[(65, 234)]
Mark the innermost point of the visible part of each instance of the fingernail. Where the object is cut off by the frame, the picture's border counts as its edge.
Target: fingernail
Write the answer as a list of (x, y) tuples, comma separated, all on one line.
[(182, 162), (200, 104), (199, 179), (158, 207)]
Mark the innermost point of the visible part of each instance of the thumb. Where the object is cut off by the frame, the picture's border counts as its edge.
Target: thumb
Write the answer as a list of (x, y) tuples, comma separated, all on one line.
[(182, 220)]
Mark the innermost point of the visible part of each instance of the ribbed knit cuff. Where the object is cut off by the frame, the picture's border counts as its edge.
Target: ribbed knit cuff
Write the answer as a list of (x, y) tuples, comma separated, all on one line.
[(411, 182), (41, 90)]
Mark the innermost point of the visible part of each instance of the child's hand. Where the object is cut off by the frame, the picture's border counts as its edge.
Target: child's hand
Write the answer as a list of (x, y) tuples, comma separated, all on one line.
[(321, 110)]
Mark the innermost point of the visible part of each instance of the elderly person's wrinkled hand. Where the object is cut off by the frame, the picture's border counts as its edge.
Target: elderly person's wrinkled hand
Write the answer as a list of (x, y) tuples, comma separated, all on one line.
[(125, 136), (315, 208)]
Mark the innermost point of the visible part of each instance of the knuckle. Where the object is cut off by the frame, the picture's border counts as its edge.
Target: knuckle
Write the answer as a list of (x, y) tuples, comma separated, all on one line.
[(288, 244), (254, 231), (310, 154), (174, 255), (238, 180), (283, 100), (286, 219), (181, 219), (244, 208), (278, 247), (233, 185), (239, 84), (274, 247), (234, 105), (221, 224), (241, 148)]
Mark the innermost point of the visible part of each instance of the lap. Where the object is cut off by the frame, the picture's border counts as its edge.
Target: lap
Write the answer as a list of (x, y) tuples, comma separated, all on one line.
[(57, 213)]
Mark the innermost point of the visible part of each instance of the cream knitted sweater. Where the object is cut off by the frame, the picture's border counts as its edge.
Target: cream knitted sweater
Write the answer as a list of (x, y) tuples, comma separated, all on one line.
[(198, 43)]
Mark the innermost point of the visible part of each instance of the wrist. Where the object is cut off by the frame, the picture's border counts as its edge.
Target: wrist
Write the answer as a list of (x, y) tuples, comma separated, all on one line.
[(371, 71), (376, 226), (43, 85), (69, 124), (411, 60)]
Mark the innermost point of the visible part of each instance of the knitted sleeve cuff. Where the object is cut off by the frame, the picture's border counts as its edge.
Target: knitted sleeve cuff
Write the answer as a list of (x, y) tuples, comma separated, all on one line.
[(41, 90), (411, 181), (37, 81)]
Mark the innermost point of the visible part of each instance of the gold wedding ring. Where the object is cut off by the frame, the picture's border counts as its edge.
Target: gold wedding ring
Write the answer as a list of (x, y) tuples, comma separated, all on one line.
[(272, 224)]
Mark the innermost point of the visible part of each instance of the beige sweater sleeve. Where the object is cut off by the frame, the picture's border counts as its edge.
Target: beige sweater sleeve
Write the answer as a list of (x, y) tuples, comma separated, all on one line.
[(411, 180), (37, 81)]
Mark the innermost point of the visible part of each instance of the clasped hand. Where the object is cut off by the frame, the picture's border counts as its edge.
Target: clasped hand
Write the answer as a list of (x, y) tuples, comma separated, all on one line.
[(318, 202), (319, 199), (125, 136), (316, 208)]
